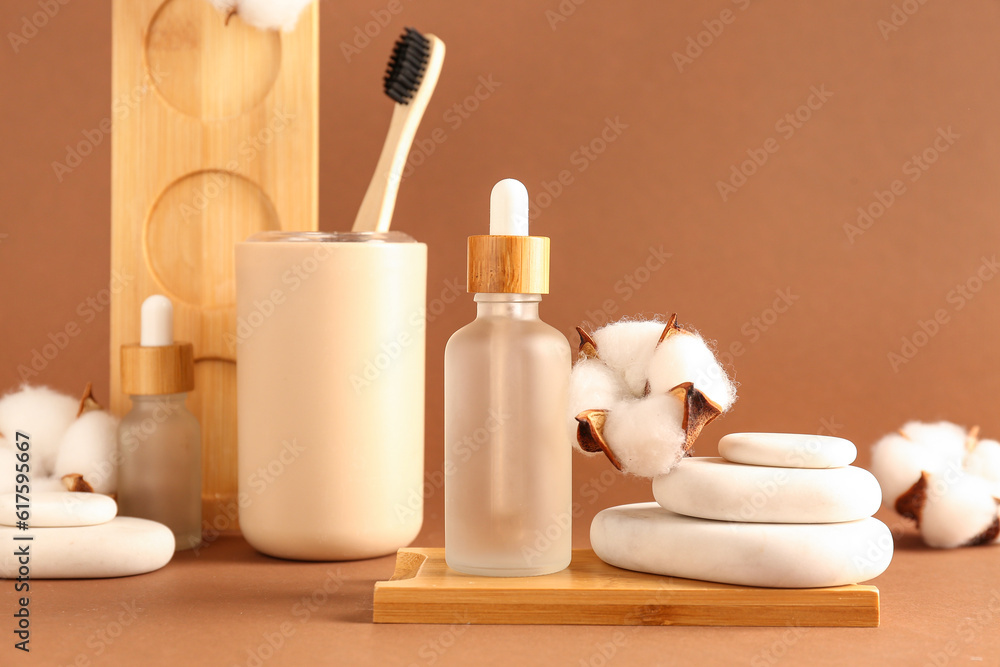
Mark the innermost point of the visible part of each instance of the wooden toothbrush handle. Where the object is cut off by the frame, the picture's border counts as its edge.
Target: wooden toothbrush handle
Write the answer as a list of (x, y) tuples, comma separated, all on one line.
[(375, 213)]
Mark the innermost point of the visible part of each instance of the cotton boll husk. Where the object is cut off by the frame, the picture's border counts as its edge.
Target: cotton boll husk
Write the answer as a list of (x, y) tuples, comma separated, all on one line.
[(265, 14), (984, 462), (646, 434), (627, 348), (44, 415), (958, 508), (592, 386), (685, 357), (88, 448)]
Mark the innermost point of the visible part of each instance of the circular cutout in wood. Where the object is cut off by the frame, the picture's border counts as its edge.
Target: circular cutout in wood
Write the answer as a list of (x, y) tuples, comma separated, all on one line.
[(205, 68), (189, 235)]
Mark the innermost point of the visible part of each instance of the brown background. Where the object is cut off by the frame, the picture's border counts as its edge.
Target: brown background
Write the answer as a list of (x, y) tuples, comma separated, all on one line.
[(823, 362)]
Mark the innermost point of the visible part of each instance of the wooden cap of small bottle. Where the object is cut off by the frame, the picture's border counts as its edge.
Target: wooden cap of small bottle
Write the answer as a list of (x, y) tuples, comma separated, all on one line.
[(509, 264), (153, 371)]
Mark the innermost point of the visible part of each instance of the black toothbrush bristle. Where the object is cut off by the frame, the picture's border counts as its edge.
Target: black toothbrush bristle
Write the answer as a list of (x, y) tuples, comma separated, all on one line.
[(406, 66)]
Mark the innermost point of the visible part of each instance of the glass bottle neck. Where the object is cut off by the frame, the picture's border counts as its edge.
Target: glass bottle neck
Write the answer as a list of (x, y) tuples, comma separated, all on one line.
[(512, 306), (159, 398)]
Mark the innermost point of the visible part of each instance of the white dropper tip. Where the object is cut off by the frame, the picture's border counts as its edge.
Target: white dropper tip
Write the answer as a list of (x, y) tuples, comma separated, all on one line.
[(509, 208), (157, 322)]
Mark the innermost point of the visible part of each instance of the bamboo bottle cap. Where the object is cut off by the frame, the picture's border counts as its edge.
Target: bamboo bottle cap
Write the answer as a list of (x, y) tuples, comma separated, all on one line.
[(153, 371), (509, 264), (508, 260), (157, 365)]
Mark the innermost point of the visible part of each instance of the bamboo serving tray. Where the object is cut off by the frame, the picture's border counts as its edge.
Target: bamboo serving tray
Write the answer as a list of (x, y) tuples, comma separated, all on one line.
[(590, 592)]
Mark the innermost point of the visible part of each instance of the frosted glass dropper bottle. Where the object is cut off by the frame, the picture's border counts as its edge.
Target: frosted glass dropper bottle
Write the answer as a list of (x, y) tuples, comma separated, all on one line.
[(508, 466), (159, 440)]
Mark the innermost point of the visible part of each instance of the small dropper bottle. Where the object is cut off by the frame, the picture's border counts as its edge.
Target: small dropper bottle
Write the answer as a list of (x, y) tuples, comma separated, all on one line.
[(159, 440), (508, 466)]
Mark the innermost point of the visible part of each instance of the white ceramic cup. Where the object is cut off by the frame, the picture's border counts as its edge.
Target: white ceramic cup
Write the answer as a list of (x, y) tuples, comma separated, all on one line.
[(330, 392)]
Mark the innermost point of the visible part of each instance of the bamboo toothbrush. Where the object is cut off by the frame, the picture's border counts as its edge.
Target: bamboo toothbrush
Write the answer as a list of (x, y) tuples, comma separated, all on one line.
[(413, 72)]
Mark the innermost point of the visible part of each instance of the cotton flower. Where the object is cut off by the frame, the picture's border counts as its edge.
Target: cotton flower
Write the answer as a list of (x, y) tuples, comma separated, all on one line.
[(593, 385), (87, 448), (945, 479), (647, 433), (984, 461), (641, 391), (72, 441), (264, 14), (42, 414)]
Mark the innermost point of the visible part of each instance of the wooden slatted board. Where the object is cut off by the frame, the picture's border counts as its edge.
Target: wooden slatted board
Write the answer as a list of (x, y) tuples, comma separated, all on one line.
[(424, 589)]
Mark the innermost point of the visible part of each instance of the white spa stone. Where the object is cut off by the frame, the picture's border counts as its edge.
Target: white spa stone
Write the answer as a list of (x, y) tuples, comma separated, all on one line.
[(55, 509), (788, 450), (713, 488), (647, 538), (122, 547)]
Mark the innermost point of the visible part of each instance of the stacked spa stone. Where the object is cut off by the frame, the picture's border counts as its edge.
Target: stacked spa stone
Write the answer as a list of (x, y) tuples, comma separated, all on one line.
[(78, 536), (778, 509)]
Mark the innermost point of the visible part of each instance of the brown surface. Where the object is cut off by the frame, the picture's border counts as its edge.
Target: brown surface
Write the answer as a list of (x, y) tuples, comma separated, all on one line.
[(219, 606), (819, 366), (423, 589)]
